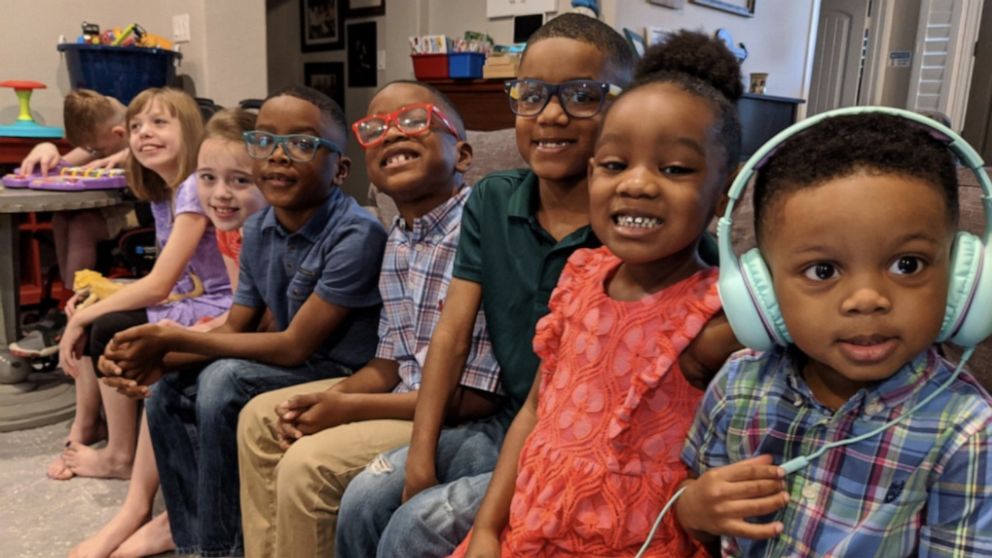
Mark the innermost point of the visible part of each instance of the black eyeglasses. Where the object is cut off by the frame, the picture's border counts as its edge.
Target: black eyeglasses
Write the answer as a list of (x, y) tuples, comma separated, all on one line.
[(580, 98), (301, 148)]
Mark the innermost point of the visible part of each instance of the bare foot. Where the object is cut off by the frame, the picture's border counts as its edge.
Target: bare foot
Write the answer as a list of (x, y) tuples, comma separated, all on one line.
[(85, 461), (152, 538), (83, 434), (110, 536)]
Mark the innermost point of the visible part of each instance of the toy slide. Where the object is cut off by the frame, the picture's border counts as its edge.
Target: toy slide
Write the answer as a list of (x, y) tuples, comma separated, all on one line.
[(75, 179)]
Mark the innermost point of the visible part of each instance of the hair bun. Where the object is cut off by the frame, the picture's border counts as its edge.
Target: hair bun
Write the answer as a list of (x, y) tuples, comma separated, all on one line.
[(697, 55)]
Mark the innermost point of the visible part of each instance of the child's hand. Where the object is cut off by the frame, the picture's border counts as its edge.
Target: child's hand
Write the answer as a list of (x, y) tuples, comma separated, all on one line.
[(126, 387), (138, 352), (45, 156), (71, 348), (70, 305), (483, 544), (109, 162), (306, 414), (719, 500)]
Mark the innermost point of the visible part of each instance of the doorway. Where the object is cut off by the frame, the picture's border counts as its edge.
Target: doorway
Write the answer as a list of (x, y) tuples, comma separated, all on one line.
[(843, 36)]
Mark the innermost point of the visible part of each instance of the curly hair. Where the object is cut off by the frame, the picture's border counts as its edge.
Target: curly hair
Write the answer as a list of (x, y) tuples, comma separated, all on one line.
[(845, 145), (328, 106), (703, 66), (619, 56)]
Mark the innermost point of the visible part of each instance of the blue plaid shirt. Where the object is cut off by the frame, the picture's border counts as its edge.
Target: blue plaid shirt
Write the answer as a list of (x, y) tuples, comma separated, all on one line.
[(923, 487), (416, 271)]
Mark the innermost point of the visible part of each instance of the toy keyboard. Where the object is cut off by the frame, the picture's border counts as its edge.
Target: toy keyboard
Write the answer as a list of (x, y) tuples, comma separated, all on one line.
[(18, 180), (74, 179)]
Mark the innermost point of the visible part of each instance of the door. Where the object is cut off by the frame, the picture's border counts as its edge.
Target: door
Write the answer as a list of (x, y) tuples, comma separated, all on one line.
[(978, 118), (945, 54), (838, 63)]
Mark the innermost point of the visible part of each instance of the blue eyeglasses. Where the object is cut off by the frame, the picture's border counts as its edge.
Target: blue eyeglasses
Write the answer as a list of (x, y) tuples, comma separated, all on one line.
[(301, 148)]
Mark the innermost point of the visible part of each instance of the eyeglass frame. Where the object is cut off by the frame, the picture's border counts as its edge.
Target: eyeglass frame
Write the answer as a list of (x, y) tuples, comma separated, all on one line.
[(610, 90), (391, 119), (279, 141)]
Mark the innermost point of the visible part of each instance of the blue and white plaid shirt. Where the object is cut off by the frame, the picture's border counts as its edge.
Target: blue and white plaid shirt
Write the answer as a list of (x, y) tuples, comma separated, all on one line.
[(920, 488), (416, 271)]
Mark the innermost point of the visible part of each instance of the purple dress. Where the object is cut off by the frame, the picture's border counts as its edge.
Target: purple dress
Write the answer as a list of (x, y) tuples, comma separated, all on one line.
[(206, 263)]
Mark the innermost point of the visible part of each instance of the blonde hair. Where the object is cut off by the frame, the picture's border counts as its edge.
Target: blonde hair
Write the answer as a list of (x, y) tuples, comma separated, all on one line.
[(229, 124), (146, 184), (84, 111)]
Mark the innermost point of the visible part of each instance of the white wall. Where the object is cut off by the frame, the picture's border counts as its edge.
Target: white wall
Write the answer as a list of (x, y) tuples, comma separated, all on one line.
[(224, 61), (777, 37)]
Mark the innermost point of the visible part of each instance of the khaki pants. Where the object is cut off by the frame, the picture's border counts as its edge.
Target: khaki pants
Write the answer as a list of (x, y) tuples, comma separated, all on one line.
[(290, 500)]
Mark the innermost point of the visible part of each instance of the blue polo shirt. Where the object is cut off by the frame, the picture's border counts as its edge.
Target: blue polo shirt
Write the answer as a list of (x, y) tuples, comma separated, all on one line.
[(336, 254)]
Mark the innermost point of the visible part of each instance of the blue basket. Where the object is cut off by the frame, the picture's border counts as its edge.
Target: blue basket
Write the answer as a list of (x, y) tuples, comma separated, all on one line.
[(465, 65), (120, 72)]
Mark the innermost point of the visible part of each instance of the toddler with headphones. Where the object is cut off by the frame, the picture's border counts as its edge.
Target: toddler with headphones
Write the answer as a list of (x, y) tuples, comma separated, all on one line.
[(861, 271)]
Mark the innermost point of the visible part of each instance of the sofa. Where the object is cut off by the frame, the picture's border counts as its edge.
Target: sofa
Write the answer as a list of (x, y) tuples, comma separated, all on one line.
[(497, 150)]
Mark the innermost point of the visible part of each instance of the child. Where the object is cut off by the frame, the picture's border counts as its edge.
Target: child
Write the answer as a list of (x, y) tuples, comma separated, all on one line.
[(590, 455), (165, 130), (518, 229), (228, 195), (94, 124), (415, 152), (855, 219), (312, 259)]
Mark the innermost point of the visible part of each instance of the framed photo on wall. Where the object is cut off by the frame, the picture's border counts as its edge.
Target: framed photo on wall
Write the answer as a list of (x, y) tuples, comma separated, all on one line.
[(740, 7), (326, 77), (361, 54), (321, 25), (364, 8)]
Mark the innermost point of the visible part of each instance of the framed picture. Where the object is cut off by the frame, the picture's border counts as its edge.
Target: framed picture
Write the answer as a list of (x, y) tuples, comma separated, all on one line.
[(364, 8), (321, 25), (361, 54), (326, 77), (740, 7), (674, 4), (636, 41)]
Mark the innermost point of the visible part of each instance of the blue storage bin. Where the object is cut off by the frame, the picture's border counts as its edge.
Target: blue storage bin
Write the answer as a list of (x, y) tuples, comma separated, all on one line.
[(465, 65), (120, 72)]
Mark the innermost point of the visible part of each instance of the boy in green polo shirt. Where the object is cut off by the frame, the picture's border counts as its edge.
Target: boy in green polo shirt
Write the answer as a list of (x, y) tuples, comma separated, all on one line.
[(518, 229)]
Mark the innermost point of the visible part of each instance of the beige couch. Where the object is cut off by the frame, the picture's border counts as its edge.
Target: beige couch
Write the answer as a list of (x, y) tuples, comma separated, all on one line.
[(498, 151)]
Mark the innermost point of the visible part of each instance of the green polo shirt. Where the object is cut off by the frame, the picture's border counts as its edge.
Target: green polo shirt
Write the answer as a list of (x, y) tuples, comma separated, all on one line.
[(503, 248)]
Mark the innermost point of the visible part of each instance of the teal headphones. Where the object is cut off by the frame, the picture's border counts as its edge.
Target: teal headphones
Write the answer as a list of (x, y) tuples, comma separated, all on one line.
[(746, 288)]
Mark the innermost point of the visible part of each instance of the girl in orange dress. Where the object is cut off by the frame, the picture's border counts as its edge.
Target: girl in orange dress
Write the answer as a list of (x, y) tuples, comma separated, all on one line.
[(593, 455)]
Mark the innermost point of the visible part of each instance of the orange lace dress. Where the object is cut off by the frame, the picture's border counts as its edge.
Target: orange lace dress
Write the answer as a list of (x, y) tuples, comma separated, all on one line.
[(613, 413)]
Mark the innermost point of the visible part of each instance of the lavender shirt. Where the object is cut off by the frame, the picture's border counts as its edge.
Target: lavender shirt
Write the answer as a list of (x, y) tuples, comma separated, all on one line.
[(206, 263)]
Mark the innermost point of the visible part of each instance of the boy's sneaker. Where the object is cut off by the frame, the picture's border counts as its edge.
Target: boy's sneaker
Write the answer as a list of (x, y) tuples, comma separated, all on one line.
[(43, 339)]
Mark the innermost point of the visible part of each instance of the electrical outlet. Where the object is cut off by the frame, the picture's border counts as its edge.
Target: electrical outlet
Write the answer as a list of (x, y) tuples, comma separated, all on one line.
[(180, 28)]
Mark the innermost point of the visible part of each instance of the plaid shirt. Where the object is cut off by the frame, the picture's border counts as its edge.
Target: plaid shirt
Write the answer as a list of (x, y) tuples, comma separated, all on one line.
[(922, 487), (416, 271)]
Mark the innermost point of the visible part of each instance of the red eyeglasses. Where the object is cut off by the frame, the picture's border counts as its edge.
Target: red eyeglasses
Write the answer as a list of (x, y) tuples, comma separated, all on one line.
[(412, 120)]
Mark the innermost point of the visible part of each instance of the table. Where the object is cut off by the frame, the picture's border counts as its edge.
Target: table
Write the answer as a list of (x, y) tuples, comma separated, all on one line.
[(26, 402)]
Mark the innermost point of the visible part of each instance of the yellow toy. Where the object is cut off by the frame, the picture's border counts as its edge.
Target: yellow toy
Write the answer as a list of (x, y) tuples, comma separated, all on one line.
[(92, 286)]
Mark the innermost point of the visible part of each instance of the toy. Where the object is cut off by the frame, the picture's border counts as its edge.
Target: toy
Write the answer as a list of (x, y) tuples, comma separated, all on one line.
[(133, 29), (19, 179), (91, 33), (586, 7), (92, 286), (25, 126), (75, 179)]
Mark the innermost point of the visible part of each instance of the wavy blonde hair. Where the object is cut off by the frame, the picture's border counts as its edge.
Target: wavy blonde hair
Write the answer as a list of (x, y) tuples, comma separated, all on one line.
[(146, 184), (229, 124)]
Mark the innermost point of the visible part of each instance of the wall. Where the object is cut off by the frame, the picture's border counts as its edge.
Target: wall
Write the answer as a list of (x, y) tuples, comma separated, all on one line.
[(902, 36), (31, 30), (777, 37)]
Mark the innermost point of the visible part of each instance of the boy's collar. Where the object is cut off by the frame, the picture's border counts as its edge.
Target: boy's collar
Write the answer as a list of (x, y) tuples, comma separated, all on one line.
[(523, 201), (877, 397), (317, 222), (435, 217)]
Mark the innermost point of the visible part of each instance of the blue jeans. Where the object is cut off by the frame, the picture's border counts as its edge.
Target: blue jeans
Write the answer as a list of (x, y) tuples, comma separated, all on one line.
[(193, 420), (373, 522)]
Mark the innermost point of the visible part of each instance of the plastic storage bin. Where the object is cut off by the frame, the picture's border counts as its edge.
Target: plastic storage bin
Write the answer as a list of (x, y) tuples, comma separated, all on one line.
[(465, 65), (430, 66), (120, 72)]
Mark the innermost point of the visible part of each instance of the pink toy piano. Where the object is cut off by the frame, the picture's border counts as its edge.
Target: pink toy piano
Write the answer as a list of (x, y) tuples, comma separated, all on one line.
[(75, 179)]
